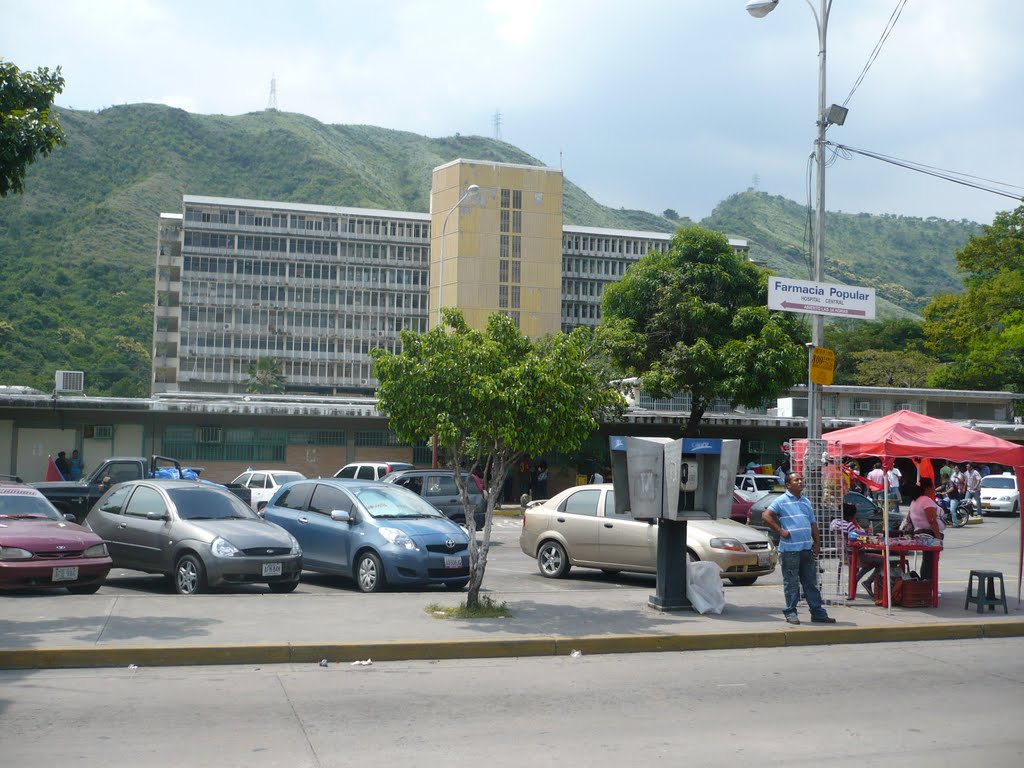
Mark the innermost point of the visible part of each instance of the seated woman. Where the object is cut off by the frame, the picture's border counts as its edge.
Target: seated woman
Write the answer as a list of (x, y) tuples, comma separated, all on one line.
[(867, 562), (924, 518)]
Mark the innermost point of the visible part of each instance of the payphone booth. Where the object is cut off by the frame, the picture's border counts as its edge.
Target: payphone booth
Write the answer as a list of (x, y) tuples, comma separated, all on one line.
[(668, 482)]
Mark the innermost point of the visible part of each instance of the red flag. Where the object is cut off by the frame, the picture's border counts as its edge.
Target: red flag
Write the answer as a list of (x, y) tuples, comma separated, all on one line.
[(52, 473)]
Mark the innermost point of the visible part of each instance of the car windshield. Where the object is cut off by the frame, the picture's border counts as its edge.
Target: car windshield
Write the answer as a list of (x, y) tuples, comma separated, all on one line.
[(286, 477), (392, 502), (1008, 483), (209, 504), (23, 504)]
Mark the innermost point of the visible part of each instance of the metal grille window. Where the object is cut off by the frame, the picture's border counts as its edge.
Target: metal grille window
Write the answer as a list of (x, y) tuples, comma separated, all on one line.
[(517, 198), (515, 297), (502, 296), (515, 272), (377, 438), (506, 198), (503, 270), (316, 437), (504, 246)]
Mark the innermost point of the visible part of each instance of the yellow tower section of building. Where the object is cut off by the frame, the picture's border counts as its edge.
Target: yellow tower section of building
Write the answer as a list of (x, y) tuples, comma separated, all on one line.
[(496, 243)]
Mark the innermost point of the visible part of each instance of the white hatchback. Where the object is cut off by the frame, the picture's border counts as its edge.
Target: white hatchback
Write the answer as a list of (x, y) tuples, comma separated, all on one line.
[(263, 483), (1000, 495)]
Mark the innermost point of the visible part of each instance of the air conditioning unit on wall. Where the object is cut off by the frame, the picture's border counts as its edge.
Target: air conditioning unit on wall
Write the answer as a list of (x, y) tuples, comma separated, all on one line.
[(862, 405), (69, 381)]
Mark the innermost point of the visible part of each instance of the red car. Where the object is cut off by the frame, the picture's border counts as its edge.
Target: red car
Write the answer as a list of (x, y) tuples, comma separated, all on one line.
[(39, 548), (742, 501)]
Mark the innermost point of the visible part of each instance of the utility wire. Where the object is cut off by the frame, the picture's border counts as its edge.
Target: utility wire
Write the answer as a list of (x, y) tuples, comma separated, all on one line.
[(956, 177), (877, 49)]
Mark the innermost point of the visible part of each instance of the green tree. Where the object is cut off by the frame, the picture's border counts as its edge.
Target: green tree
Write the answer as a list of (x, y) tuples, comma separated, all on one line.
[(882, 368), (28, 124), (694, 319), (265, 377), (849, 338), (491, 397), (981, 332)]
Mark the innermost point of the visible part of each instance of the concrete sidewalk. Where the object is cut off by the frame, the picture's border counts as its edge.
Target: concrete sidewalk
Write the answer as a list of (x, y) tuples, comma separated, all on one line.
[(231, 628)]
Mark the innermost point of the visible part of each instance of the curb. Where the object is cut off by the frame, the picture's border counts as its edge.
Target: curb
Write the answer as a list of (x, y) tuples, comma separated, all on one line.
[(304, 653)]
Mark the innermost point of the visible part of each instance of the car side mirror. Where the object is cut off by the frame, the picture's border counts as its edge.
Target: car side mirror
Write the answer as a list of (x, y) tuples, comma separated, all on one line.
[(341, 516), (70, 517), (157, 516)]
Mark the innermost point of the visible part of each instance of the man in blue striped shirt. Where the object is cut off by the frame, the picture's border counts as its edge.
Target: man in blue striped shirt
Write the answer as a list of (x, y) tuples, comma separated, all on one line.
[(791, 516)]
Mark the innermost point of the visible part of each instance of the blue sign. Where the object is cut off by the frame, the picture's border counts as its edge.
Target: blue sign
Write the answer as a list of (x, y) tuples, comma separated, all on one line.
[(690, 444)]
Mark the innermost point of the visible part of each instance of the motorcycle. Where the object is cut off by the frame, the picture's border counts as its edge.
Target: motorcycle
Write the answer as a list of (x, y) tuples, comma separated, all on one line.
[(967, 509)]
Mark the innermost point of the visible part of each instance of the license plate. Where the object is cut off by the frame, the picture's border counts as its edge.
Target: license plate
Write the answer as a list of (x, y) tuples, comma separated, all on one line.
[(453, 562), (65, 574), (985, 505), (271, 569), (764, 560)]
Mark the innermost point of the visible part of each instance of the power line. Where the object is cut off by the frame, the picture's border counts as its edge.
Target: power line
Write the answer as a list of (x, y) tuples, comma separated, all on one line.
[(877, 49), (964, 179)]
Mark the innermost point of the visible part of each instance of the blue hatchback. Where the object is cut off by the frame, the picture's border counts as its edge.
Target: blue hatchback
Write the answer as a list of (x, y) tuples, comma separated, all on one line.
[(374, 533)]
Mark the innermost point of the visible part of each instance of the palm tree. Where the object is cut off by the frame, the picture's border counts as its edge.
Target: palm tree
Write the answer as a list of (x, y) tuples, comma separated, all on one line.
[(265, 377)]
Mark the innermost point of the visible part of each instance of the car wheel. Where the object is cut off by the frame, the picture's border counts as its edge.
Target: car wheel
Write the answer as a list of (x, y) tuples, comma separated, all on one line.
[(369, 573), (1016, 508), (743, 581), (189, 575), (84, 589), (283, 587), (552, 560), (455, 586)]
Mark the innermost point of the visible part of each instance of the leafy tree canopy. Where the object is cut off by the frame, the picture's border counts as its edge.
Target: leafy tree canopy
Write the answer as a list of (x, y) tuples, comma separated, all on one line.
[(491, 397), (982, 330), (695, 319), (28, 124), (887, 368), (851, 338)]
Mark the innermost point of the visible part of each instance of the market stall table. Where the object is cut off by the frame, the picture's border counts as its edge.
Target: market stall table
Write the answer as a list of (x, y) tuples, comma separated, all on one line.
[(902, 547)]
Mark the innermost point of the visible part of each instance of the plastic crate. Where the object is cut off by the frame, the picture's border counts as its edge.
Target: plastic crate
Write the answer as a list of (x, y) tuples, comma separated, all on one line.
[(912, 593)]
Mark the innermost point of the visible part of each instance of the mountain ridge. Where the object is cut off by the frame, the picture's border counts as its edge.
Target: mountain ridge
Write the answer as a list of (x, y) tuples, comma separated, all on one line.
[(77, 249)]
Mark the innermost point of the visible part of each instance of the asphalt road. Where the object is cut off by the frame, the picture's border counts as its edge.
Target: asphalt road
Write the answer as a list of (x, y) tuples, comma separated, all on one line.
[(928, 704)]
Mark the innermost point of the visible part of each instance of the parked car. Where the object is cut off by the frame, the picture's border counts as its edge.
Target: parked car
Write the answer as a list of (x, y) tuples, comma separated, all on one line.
[(198, 534), (77, 497), (40, 547), (1000, 495), (759, 484), (579, 527), (263, 483), (377, 534), (742, 501), (438, 487), (371, 470)]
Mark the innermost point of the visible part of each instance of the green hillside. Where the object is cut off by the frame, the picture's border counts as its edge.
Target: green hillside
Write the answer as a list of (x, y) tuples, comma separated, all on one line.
[(77, 249)]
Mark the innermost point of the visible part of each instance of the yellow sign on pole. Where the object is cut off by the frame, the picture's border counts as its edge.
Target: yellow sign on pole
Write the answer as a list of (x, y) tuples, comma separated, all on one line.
[(823, 365)]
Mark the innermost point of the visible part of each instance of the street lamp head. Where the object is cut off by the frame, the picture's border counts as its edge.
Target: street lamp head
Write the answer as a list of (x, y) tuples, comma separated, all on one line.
[(761, 8)]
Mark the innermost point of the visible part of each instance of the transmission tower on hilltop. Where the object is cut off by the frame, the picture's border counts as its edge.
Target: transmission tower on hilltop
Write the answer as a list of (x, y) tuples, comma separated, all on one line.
[(272, 101), (497, 125)]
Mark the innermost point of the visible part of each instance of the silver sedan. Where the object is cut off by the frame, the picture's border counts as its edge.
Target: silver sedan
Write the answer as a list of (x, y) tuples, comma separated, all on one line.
[(579, 527)]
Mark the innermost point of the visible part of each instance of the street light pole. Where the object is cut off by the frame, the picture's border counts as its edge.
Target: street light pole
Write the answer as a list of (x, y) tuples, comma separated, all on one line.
[(472, 189), (759, 9)]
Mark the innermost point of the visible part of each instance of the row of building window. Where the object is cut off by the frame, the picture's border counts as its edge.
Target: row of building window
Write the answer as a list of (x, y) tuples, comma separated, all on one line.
[(357, 251), (302, 270), (379, 227), (624, 246)]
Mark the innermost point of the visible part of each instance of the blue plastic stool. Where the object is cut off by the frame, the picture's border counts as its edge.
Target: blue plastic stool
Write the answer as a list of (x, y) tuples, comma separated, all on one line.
[(986, 594)]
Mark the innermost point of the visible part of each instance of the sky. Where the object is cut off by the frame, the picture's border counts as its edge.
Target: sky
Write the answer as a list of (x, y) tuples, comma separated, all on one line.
[(649, 104)]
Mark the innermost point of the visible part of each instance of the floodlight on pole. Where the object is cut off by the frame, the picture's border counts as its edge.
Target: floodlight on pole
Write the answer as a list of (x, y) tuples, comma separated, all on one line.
[(760, 9), (471, 190)]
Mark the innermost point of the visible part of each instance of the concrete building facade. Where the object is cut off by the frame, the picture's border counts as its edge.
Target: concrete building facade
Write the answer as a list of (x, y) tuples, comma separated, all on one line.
[(315, 288)]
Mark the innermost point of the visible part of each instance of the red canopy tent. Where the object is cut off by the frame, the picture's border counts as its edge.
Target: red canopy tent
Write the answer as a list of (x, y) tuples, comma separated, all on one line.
[(910, 435)]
